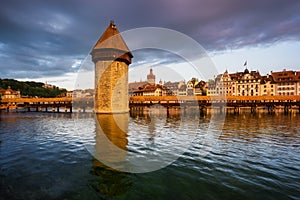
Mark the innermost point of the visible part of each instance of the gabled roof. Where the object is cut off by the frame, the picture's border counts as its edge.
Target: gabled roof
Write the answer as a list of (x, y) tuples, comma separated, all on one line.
[(286, 76), (240, 75), (111, 39), (148, 88), (267, 78), (135, 85)]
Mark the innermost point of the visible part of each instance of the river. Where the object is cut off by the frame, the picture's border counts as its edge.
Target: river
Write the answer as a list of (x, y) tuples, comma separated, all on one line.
[(65, 156)]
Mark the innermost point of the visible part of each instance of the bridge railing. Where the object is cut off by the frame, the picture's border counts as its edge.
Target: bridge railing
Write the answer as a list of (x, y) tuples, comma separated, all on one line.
[(132, 99)]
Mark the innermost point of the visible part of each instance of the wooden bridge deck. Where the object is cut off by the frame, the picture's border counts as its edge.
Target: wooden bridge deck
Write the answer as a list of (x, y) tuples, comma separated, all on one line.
[(141, 99), (209, 98), (201, 101)]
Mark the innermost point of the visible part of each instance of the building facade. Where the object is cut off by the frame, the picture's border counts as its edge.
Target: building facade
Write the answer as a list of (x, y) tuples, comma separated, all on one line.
[(9, 93), (287, 82), (251, 83)]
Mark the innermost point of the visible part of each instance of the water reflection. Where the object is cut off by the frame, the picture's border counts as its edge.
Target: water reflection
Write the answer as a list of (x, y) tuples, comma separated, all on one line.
[(109, 182), (256, 157), (115, 127), (149, 142), (111, 139)]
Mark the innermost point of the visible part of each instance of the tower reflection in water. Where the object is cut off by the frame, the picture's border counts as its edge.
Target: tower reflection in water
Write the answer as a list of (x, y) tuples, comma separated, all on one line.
[(156, 140), (110, 150), (111, 139)]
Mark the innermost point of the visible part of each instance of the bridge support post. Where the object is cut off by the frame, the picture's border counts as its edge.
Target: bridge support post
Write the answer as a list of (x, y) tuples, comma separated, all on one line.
[(253, 109), (286, 109), (168, 112), (271, 109), (57, 109), (46, 109), (221, 109), (201, 109), (236, 110), (71, 109)]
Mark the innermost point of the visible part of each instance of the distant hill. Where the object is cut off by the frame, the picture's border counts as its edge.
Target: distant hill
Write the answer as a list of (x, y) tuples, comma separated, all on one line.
[(31, 89)]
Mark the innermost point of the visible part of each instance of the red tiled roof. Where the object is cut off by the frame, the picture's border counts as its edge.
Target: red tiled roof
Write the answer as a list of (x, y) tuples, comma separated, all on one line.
[(135, 85), (286, 76), (112, 39)]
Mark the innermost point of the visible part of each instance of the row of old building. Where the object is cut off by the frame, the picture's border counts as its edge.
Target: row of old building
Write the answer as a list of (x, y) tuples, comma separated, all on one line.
[(246, 83)]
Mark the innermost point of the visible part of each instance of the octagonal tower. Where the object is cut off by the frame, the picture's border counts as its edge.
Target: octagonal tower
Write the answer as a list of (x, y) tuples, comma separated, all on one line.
[(111, 57)]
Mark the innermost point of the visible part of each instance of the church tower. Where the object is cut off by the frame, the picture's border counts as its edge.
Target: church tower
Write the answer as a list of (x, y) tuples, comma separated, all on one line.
[(151, 77), (111, 57)]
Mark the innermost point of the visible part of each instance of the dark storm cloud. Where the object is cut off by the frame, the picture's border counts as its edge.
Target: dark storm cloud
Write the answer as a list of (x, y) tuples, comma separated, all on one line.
[(47, 38)]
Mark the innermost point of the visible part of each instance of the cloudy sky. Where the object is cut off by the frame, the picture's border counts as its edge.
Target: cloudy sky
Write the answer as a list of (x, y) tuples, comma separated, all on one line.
[(47, 40)]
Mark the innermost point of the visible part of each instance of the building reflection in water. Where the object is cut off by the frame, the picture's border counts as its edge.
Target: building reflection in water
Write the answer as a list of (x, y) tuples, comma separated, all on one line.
[(156, 139), (111, 139), (109, 182), (110, 153)]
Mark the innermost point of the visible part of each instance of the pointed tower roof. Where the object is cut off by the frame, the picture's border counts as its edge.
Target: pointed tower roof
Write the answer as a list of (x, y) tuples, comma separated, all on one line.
[(111, 39), (151, 75), (111, 46)]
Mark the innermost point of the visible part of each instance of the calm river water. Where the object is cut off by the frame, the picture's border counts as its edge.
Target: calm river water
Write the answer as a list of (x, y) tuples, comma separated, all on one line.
[(50, 156)]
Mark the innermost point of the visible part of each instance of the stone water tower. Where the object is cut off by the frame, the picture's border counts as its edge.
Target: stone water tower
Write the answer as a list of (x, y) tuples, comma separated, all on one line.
[(111, 57)]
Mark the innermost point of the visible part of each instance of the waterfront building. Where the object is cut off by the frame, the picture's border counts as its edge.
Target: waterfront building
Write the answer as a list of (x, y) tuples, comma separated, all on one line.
[(267, 86), (173, 87), (150, 90), (69, 94), (134, 85), (182, 88), (251, 83), (9, 93), (200, 88), (190, 87), (82, 93), (224, 84), (246, 83), (111, 57), (211, 88), (236, 84), (287, 82)]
